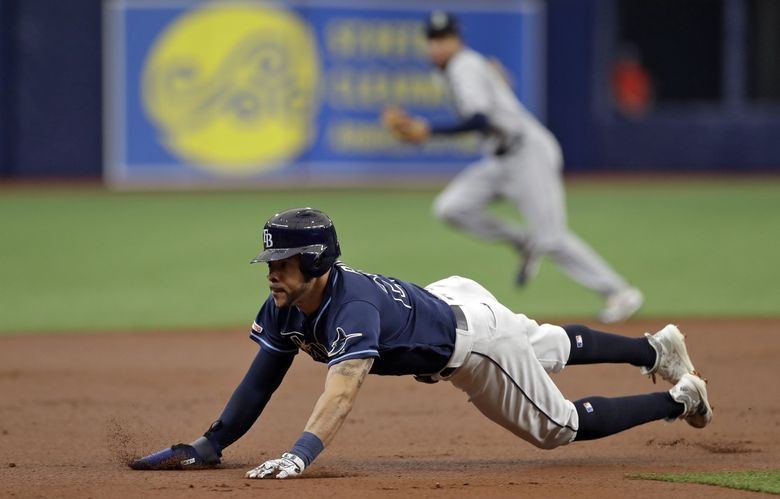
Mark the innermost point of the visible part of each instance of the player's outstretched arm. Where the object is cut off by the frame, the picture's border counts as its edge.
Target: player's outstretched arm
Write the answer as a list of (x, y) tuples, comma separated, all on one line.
[(242, 410), (341, 388)]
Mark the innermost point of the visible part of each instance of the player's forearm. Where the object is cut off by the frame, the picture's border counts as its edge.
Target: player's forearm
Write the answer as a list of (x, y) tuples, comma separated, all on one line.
[(329, 414), (476, 122), (335, 403), (249, 399)]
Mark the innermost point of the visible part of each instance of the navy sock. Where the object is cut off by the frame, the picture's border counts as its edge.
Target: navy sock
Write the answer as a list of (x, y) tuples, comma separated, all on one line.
[(601, 416), (589, 346)]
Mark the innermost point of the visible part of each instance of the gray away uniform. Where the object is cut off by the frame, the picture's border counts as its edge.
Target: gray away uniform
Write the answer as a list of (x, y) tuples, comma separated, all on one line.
[(522, 163)]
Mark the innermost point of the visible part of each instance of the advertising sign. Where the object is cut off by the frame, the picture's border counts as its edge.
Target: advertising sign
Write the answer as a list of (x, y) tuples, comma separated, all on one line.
[(252, 93)]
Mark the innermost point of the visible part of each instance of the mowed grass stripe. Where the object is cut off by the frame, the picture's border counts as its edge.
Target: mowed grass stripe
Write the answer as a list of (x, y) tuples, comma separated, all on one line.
[(88, 260), (754, 481)]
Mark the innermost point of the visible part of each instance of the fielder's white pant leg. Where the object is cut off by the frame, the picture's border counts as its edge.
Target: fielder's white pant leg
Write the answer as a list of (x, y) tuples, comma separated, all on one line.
[(463, 202), (502, 375), (536, 188)]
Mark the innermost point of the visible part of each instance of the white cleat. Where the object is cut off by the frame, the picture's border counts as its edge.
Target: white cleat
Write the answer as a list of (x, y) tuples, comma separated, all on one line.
[(691, 391), (671, 361), (621, 305)]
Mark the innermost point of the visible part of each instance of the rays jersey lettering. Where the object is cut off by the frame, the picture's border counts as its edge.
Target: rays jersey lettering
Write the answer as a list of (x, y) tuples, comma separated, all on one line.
[(386, 284), (403, 327)]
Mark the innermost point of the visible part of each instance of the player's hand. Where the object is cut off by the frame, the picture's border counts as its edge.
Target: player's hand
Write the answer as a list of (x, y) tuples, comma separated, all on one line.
[(288, 466), (405, 127), (394, 117), (176, 457)]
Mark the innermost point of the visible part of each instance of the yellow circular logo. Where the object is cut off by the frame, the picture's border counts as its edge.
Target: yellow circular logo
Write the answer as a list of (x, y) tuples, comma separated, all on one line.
[(233, 88)]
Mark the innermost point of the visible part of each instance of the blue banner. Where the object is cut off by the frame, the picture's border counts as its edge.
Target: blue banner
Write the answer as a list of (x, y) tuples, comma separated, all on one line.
[(253, 92)]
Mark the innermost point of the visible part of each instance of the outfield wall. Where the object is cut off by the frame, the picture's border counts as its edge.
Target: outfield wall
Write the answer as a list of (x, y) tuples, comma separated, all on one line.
[(51, 87), (253, 93)]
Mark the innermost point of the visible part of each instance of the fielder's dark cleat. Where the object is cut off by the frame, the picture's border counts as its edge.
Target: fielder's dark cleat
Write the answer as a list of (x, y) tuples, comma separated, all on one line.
[(177, 457), (529, 267)]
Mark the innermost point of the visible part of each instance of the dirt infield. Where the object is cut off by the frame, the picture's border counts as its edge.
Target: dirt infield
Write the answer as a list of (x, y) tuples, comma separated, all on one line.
[(75, 408)]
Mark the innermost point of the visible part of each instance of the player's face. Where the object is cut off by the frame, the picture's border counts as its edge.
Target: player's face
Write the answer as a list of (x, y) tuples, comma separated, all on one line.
[(287, 282), (441, 50)]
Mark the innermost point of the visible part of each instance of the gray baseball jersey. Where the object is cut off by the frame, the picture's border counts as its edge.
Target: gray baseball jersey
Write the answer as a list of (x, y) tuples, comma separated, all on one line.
[(522, 163), (476, 86)]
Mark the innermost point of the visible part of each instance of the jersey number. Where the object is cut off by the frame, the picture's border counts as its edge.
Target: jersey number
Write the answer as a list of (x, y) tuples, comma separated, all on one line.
[(387, 285)]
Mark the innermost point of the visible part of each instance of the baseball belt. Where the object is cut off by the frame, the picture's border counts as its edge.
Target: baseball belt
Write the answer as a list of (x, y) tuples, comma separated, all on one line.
[(462, 326)]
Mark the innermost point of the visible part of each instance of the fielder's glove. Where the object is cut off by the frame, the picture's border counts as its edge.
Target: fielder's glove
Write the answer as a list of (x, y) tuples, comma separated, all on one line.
[(405, 127), (198, 455), (289, 465)]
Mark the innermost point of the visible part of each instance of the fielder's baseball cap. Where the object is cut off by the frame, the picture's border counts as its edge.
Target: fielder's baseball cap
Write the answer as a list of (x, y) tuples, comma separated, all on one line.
[(440, 24)]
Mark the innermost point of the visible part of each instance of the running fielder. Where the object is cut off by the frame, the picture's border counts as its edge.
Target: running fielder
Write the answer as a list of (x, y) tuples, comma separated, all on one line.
[(522, 163), (454, 330)]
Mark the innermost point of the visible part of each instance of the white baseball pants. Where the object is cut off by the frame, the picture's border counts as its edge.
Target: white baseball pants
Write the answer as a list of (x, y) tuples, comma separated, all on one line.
[(503, 365), (529, 178)]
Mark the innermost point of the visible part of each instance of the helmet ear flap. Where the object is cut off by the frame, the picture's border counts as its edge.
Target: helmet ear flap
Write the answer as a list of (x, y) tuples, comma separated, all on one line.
[(314, 263), (311, 264)]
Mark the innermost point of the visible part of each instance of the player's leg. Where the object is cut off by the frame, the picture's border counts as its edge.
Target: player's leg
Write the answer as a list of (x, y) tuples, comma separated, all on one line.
[(507, 384), (663, 353), (535, 186), (537, 190), (556, 346), (550, 344), (504, 380), (601, 416), (589, 346), (463, 204)]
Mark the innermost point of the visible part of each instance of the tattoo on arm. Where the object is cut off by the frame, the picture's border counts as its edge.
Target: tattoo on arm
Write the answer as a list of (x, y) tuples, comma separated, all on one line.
[(357, 369), (341, 387)]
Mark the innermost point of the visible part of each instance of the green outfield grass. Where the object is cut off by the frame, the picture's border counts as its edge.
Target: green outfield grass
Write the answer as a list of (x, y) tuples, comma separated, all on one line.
[(754, 481), (85, 259)]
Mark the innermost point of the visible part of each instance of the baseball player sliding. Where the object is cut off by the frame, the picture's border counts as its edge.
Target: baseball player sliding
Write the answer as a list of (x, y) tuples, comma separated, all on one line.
[(454, 329), (522, 163)]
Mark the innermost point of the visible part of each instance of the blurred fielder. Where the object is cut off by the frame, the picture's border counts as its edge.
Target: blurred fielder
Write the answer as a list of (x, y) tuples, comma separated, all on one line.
[(522, 164)]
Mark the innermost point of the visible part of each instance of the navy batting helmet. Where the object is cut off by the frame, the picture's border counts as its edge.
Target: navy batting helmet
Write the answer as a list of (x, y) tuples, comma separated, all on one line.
[(440, 24), (301, 231)]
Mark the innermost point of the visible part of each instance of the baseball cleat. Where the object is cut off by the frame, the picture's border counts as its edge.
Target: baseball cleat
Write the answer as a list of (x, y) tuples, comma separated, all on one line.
[(671, 361), (621, 305), (691, 391)]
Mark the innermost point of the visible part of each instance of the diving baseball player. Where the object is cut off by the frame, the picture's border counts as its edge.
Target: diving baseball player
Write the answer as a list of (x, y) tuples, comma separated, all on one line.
[(453, 330), (522, 163)]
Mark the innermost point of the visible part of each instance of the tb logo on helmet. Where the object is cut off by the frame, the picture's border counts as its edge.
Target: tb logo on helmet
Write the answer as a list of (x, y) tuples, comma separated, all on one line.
[(301, 231)]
